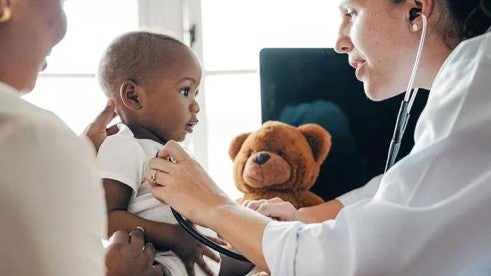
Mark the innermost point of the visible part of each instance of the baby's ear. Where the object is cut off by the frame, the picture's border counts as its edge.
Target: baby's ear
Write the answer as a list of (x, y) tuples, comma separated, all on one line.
[(236, 144), (130, 96), (319, 140)]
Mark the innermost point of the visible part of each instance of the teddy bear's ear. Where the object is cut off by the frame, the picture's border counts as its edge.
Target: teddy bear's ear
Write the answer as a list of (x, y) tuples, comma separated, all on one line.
[(319, 140), (236, 144)]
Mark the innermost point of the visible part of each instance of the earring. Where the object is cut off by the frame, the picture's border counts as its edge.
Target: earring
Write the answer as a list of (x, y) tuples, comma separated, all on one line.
[(415, 27), (5, 15)]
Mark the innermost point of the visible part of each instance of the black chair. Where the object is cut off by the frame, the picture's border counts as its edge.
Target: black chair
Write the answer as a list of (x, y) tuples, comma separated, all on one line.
[(317, 85)]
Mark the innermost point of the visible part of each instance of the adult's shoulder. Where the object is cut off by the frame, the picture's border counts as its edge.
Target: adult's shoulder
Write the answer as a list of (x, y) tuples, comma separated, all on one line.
[(18, 113), (23, 123), (478, 47)]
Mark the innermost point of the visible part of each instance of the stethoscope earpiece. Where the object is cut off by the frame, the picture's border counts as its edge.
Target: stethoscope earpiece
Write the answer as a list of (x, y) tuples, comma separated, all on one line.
[(414, 13)]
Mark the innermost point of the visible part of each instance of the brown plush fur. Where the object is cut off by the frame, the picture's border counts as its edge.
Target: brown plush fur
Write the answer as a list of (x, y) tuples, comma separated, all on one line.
[(279, 160)]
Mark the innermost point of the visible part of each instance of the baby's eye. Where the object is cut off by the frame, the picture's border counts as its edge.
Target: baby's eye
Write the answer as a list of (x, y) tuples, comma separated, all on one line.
[(185, 91)]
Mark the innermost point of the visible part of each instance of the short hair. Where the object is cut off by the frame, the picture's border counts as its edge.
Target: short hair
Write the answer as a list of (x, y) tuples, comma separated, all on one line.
[(135, 56)]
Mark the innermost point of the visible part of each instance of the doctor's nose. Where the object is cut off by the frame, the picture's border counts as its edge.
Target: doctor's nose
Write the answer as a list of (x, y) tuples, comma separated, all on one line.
[(343, 44)]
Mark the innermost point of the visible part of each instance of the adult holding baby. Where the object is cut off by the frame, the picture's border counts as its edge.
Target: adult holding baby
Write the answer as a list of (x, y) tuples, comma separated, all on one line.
[(48, 174)]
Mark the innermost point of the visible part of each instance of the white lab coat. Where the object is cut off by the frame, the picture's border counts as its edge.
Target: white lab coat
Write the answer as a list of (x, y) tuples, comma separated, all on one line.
[(52, 207), (431, 214)]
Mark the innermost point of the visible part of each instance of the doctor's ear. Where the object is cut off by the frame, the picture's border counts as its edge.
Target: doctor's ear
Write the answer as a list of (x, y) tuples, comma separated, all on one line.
[(131, 95), (419, 7)]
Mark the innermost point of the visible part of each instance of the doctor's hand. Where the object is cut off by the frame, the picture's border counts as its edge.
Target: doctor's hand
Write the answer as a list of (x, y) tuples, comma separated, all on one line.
[(128, 254), (181, 182), (97, 131), (274, 208)]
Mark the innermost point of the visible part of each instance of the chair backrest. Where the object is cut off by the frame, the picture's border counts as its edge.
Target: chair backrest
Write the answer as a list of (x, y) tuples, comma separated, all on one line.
[(317, 85)]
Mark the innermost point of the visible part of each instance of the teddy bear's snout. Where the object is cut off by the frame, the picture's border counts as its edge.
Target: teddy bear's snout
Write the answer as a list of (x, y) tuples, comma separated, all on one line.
[(264, 169), (261, 158)]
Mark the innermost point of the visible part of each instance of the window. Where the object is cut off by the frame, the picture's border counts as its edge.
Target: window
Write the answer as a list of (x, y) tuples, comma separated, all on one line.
[(68, 87), (233, 34)]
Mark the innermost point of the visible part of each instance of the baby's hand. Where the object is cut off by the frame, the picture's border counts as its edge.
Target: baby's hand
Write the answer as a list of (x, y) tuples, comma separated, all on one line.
[(191, 251), (274, 208)]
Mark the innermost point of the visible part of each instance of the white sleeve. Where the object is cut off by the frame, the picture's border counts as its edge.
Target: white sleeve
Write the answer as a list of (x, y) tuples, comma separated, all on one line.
[(121, 158), (52, 207), (374, 237), (364, 192)]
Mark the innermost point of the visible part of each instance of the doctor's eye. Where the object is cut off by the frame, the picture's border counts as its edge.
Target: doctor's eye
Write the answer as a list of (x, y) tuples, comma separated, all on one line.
[(185, 91), (349, 13)]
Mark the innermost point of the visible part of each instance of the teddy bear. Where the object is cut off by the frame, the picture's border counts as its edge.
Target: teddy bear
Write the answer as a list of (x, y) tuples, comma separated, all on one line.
[(280, 160)]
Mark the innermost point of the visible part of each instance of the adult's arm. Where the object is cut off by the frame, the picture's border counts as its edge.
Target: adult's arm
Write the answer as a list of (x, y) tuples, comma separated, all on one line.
[(369, 237), (279, 209), (52, 205), (201, 201)]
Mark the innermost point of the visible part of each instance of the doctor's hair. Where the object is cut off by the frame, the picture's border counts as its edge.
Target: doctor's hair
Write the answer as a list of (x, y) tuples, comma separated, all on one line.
[(461, 19), (136, 56)]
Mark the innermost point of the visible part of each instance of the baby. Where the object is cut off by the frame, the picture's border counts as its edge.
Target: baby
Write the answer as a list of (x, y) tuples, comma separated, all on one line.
[(154, 80)]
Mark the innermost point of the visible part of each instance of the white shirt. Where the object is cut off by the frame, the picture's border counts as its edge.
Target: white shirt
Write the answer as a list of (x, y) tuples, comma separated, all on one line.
[(431, 214), (124, 158), (52, 209)]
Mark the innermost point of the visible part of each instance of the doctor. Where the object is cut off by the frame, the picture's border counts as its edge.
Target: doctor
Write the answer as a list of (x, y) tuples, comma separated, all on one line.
[(429, 214)]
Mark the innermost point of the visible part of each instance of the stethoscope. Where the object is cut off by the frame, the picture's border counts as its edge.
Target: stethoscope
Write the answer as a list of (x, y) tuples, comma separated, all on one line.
[(401, 123), (409, 97)]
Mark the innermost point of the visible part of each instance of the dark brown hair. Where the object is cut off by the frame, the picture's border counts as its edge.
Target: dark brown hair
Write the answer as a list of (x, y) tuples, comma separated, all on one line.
[(135, 56), (462, 19)]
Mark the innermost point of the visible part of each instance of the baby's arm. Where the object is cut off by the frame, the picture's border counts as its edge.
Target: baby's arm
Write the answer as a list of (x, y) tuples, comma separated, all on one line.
[(163, 236)]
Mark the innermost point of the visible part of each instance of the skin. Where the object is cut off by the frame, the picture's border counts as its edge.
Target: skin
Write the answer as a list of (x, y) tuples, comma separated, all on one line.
[(129, 247), (27, 38), (373, 32), (380, 44), (34, 28), (284, 211)]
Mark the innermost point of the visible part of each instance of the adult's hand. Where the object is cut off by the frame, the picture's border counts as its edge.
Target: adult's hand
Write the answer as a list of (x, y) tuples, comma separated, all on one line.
[(97, 131), (128, 255), (181, 182), (281, 210), (274, 208)]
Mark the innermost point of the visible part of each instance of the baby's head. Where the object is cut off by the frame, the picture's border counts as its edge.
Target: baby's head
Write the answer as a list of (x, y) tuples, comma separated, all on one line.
[(154, 79)]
